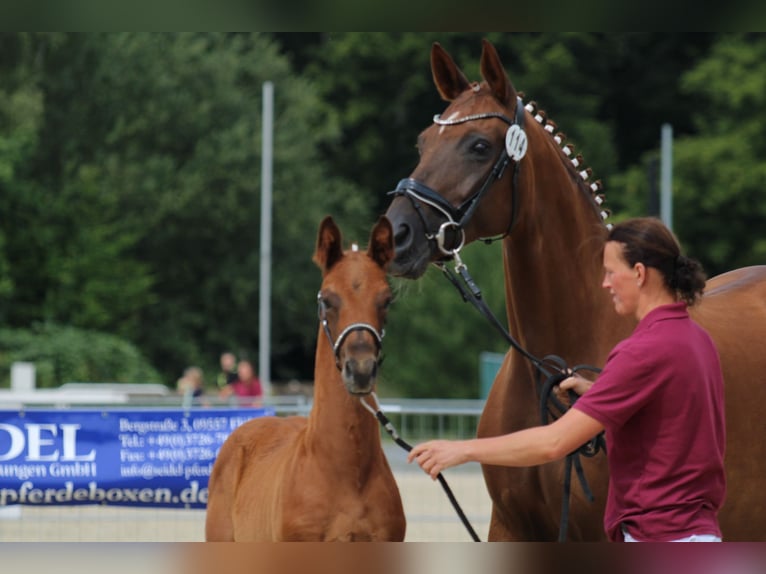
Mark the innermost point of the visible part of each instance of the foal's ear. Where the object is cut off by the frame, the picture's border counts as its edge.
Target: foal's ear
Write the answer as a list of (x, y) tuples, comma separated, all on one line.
[(493, 72), (449, 79), (381, 249), (329, 245)]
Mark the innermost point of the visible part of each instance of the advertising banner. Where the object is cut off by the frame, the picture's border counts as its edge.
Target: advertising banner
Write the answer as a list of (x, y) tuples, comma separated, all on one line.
[(131, 457)]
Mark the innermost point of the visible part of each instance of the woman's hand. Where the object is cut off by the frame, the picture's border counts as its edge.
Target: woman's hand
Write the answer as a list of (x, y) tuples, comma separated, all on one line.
[(436, 455), (578, 384)]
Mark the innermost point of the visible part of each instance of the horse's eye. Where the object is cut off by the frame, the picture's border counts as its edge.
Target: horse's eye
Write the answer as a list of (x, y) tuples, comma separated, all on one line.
[(325, 302), (481, 146)]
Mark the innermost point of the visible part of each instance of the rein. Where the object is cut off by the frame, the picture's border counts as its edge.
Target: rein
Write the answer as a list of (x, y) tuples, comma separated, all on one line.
[(554, 369), (391, 430)]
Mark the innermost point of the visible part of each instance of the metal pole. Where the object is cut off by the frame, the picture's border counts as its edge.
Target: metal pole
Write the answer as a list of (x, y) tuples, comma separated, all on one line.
[(666, 176), (264, 333), (653, 201)]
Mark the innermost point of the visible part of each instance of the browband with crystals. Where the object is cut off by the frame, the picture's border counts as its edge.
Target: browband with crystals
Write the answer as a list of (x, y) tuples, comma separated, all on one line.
[(485, 116)]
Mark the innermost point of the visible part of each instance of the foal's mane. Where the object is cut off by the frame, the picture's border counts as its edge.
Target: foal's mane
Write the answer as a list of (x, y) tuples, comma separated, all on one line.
[(593, 190)]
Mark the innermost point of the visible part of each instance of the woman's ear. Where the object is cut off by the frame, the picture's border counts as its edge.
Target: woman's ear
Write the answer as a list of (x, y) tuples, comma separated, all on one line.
[(640, 270)]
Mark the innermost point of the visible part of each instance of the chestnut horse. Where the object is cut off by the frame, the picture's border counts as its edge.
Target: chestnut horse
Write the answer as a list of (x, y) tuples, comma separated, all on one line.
[(323, 477), (490, 166)]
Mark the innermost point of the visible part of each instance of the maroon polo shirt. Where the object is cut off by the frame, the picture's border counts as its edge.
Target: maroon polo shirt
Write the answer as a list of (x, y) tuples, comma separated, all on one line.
[(660, 398)]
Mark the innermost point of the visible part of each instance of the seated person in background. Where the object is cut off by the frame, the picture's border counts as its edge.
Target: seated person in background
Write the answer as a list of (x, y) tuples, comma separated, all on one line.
[(247, 386), (228, 372), (191, 382)]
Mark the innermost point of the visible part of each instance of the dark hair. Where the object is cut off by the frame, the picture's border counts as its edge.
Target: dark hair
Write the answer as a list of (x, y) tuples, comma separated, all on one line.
[(647, 240)]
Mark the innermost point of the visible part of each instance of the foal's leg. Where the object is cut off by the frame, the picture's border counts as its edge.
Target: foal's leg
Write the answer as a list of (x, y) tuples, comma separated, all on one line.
[(219, 526)]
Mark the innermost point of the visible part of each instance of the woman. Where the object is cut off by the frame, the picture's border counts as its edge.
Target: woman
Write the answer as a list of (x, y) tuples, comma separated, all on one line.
[(659, 398), (247, 388)]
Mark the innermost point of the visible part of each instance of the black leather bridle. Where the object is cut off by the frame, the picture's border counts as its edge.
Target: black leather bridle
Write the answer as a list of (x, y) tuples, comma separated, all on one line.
[(456, 218)]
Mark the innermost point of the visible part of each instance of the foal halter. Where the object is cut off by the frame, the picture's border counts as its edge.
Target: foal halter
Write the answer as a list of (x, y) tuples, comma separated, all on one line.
[(457, 217), (338, 343)]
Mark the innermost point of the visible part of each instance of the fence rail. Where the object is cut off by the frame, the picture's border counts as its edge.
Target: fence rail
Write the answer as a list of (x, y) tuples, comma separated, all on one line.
[(422, 417)]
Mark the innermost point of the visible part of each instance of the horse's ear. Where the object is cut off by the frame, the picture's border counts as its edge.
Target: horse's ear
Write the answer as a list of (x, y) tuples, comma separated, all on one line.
[(381, 248), (329, 245), (449, 79), (493, 72)]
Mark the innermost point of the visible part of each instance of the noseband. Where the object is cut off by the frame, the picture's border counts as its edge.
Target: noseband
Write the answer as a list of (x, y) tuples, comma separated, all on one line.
[(338, 343), (457, 217)]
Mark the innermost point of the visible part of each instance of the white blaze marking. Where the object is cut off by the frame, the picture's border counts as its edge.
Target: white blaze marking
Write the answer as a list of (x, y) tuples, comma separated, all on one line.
[(449, 119)]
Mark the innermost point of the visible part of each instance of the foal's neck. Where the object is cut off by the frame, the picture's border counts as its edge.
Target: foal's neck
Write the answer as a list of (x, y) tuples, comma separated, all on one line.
[(338, 423)]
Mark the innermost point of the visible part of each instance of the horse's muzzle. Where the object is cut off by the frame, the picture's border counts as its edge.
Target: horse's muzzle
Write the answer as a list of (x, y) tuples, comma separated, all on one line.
[(360, 375), (414, 246), (412, 252)]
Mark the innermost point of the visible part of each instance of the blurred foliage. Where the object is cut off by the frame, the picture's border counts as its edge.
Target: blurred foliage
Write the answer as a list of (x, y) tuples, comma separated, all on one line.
[(433, 337), (66, 354), (130, 177), (135, 209)]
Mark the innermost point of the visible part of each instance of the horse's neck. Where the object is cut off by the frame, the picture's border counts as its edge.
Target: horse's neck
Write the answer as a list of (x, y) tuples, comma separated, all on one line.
[(338, 425), (553, 270)]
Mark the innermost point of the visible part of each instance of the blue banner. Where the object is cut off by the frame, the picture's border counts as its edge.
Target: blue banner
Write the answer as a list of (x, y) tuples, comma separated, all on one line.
[(136, 457)]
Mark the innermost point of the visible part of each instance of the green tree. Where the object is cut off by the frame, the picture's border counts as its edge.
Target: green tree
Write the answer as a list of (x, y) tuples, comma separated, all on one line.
[(434, 338), (21, 106), (719, 177), (137, 211), (68, 354)]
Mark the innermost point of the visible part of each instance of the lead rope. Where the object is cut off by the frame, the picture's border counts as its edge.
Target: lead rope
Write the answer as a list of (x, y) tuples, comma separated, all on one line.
[(555, 370), (391, 430), (548, 400)]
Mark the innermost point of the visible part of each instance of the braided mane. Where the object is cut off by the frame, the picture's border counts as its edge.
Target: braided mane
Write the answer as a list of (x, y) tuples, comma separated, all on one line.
[(593, 189)]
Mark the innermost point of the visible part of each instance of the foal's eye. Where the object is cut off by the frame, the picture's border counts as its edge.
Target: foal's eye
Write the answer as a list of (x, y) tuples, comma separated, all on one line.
[(327, 302)]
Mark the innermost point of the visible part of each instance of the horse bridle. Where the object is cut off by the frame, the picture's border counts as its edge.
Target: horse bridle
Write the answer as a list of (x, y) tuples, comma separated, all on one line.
[(457, 217), (338, 343)]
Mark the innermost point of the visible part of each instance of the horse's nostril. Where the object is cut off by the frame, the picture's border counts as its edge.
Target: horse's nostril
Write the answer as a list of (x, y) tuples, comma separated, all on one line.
[(359, 374), (402, 235)]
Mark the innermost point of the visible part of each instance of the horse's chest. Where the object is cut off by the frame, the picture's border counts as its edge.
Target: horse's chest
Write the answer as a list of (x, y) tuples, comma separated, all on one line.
[(346, 514)]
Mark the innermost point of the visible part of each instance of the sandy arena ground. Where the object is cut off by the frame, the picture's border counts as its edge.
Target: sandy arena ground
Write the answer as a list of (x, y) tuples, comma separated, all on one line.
[(430, 516)]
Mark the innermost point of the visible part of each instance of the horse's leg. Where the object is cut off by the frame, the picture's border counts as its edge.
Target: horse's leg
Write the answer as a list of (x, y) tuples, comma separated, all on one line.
[(219, 526), (498, 529)]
